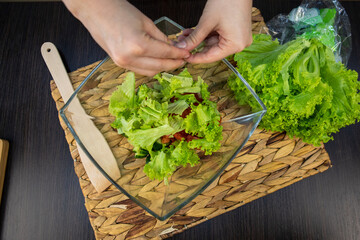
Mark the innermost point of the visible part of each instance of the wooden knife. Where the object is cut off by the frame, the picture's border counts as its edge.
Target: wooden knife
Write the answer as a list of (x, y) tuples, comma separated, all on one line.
[(4, 148), (91, 137)]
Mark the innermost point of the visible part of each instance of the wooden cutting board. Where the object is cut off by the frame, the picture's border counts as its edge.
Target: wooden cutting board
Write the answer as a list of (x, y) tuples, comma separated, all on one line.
[(4, 148)]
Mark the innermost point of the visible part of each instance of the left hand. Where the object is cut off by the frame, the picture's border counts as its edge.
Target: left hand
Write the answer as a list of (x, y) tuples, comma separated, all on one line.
[(225, 28)]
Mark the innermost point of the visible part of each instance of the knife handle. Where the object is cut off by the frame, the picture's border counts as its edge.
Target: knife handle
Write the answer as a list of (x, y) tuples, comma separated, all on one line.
[(57, 69), (4, 148)]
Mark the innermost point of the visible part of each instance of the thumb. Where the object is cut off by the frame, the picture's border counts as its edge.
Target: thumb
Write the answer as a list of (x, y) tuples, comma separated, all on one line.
[(195, 38), (154, 32)]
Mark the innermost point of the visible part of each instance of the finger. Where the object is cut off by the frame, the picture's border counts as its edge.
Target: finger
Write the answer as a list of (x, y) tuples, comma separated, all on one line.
[(155, 32), (173, 42), (196, 36), (209, 55), (187, 31), (160, 46), (213, 40), (158, 49), (155, 65), (144, 72), (181, 38), (184, 34)]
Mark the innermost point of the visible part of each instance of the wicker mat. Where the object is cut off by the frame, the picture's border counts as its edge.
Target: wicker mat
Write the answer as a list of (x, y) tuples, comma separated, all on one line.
[(268, 162)]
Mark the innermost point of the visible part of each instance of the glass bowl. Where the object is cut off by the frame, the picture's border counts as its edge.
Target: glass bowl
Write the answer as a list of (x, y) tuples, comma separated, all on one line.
[(159, 199)]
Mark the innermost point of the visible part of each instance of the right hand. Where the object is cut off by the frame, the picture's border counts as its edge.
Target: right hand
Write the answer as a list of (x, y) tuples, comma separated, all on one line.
[(224, 27), (129, 37)]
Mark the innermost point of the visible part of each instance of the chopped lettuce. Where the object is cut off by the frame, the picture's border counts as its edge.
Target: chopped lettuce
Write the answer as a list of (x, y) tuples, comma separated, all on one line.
[(204, 122), (124, 97), (145, 138), (152, 112), (307, 93), (204, 145), (183, 155), (176, 109), (160, 166), (164, 162), (170, 84)]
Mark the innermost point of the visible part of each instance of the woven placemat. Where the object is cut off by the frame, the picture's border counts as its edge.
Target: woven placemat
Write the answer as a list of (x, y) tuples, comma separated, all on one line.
[(268, 162)]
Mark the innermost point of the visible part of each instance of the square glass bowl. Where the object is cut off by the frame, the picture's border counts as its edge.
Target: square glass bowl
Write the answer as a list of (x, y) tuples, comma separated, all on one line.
[(186, 183)]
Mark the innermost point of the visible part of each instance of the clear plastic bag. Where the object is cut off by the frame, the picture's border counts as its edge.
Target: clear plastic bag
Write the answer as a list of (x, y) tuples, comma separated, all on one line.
[(325, 20)]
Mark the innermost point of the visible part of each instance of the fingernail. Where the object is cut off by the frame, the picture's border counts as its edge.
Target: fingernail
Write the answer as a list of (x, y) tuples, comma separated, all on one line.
[(181, 44), (172, 42), (181, 38), (187, 55)]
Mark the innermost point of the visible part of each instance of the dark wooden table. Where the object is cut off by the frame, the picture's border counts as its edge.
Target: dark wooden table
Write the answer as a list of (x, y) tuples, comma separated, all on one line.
[(42, 198)]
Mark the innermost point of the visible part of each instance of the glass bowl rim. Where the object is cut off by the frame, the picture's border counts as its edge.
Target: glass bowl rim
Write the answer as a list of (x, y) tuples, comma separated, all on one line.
[(196, 193)]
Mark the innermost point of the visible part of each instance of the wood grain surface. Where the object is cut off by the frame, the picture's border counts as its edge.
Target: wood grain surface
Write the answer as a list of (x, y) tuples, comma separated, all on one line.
[(4, 148), (41, 196)]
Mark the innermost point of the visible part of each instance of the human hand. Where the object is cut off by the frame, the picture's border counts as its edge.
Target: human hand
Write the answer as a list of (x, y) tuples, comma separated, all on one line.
[(129, 37), (225, 28)]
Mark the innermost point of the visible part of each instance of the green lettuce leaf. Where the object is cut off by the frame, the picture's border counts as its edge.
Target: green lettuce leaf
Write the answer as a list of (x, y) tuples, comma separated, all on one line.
[(203, 144), (177, 107), (306, 92), (145, 138), (182, 155), (203, 122), (171, 84), (323, 31), (164, 162), (160, 166), (152, 113), (124, 97), (126, 125)]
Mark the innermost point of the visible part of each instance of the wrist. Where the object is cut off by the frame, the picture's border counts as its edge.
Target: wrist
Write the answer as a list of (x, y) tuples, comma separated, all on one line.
[(74, 6), (82, 9)]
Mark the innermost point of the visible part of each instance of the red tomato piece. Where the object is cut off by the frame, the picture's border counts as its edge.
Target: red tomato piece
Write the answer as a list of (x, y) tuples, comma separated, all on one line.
[(186, 112), (165, 139)]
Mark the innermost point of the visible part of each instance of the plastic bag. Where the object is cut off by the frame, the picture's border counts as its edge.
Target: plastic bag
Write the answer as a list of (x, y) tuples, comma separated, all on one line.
[(325, 20)]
